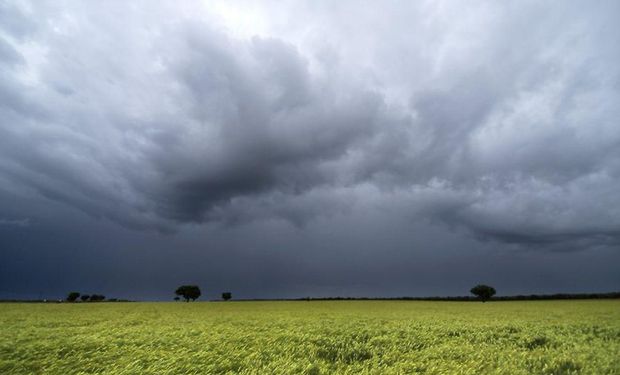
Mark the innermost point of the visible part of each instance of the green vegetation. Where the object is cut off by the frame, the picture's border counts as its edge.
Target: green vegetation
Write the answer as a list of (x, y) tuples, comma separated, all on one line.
[(319, 337)]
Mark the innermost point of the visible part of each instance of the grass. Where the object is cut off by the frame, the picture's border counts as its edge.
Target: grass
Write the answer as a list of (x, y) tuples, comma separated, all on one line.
[(318, 337)]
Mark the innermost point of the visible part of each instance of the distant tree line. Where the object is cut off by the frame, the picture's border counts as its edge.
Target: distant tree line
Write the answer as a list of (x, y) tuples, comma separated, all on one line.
[(73, 296), (528, 297), (481, 293)]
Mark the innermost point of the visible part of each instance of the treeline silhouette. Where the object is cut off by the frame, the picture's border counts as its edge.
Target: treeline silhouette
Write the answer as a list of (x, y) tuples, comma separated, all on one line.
[(73, 297), (520, 297)]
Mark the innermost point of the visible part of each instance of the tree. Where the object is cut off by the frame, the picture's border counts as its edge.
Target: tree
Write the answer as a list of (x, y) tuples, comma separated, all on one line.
[(84, 297), (176, 298), (188, 292), (97, 298), (73, 296), (226, 296), (483, 292)]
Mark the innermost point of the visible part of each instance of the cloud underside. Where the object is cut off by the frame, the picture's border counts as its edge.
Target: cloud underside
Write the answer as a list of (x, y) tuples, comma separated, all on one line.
[(491, 119)]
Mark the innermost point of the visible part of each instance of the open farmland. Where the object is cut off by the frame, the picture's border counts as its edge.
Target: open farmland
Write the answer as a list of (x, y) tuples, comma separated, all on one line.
[(342, 337)]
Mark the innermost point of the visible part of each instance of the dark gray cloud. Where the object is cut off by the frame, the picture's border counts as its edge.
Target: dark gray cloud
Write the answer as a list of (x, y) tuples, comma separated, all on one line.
[(494, 123)]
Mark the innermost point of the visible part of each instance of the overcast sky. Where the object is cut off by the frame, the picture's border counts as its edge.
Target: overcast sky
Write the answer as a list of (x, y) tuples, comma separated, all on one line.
[(322, 148)]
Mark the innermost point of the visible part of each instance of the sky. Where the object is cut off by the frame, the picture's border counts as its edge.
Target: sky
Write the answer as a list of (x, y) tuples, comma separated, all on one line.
[(309, 148)]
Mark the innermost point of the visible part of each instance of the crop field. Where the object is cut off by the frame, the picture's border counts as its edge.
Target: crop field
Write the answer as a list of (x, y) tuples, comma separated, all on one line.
[(317, 337)]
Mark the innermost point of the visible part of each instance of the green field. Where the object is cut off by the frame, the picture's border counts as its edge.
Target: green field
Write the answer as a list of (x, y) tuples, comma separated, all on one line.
[(318, 337)]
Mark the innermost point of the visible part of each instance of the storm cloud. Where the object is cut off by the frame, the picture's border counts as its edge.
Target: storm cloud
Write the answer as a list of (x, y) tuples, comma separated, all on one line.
[(493, 122)]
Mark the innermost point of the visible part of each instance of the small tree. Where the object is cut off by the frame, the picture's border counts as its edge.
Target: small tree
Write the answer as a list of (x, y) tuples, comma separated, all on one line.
[(483, 292), (226, 296), (73, 296), (176, 298), (84, 297), (188, 292)]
